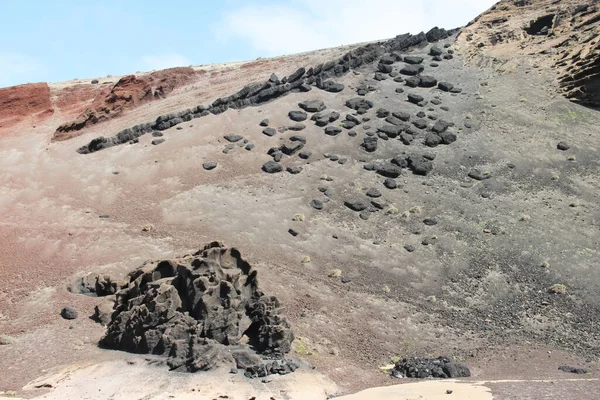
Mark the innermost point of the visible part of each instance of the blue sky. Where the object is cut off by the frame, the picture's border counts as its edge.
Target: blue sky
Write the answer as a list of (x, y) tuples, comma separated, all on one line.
[(59, 40)]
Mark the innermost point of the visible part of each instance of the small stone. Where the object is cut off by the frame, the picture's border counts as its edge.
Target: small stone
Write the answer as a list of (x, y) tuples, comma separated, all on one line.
[(365, 215), (563, 146), (373, 193), (272, 167), (346, 279), (316, 204), (409, 247), (390, 183), (430, 221), (264, 122), (209, 165), (449, 391), (298, 218), (292, 232), (233, 138), (156, 142), (68, 313), (305, 260)]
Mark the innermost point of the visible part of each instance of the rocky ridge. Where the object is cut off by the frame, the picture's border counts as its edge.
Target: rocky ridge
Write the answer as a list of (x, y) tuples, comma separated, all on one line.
[(259, 93)]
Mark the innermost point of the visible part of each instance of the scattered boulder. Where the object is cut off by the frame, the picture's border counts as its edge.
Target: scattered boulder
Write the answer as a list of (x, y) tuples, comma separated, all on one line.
[(359, 103), (421, 368), (413, 60), (294, 170), (370, 144), (332, 87), (264, 122), (563, 146), (356, 204), (316, 204), (156, 142), (233, 138), (269, 131), (428, 81), (413, 81), (374, 193), (445, 86), (298, 116), (479, 175), (312, 106), (209, 165), (272, 167), (415, 98), (412, 69), (332, 130), (435, 51), (390, 183)]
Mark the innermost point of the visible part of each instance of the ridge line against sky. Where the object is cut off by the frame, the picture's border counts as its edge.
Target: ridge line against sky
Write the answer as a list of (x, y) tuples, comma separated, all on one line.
[(67, 39)]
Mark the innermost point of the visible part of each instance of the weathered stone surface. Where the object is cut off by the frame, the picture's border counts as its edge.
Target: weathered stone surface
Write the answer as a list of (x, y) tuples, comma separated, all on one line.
[(441, 367), (272, 167), (193, 308)]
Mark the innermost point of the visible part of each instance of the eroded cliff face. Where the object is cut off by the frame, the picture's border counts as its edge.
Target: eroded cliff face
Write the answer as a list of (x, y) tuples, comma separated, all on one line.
[(566, 34)]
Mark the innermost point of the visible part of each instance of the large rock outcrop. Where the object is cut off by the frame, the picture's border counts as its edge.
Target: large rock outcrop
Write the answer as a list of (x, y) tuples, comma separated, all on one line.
[(563, 33), (202, 311)]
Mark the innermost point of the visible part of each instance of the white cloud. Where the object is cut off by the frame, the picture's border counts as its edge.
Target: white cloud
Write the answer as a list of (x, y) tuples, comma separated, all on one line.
[(164, 61), (17, 68), (302, 25)]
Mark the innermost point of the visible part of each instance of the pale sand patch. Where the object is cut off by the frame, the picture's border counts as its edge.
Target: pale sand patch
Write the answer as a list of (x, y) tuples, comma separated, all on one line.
[(123, 380), (430, 390)]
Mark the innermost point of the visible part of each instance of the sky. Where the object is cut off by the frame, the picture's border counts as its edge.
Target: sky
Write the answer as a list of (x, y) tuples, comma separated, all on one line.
[(60, 40)]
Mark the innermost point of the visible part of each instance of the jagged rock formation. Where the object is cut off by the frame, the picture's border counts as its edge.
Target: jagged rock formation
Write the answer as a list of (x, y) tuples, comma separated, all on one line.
[(196, 309), (565, 33), (259, 93)]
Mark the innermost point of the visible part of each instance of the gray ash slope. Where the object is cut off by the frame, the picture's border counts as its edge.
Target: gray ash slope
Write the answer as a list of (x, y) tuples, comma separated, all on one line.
[(454, 197)]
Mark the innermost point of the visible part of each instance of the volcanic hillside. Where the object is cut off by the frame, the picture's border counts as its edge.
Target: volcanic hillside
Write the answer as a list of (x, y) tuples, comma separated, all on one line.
[(431, 196)]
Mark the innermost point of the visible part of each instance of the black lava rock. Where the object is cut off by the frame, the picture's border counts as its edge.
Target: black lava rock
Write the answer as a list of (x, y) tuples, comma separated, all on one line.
[(356, 204), (316, 204), (563, 146), (272, 167), (68, 313), (297, 116), (445, 86), (269, 131), (233, 138), (209, 165), (415, 98), (390, 183), (312, 106)]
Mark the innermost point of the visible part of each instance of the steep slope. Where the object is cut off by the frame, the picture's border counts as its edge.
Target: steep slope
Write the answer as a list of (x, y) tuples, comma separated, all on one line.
[(565, 35), (398, 201)]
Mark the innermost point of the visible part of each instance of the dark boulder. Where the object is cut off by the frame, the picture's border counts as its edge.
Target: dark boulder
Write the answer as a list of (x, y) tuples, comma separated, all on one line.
[(312, 106), (332, 87), (370, 144), (415, 98), (412, 69), (435, 51), (413, 81), (332, 130), (233, 138), (209, 165), (428, 81), (269, 131), (68, 313), (445, 86), (419, 165), (359, 103), (356, 204), (388, 170), (391, 131), (272, 167), (413, 60), (297, 116)]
